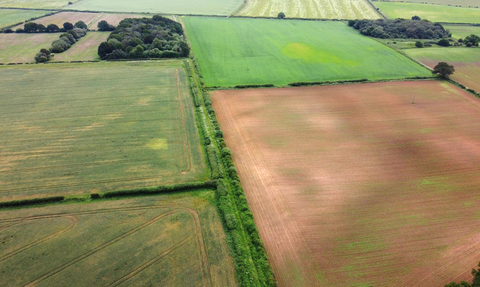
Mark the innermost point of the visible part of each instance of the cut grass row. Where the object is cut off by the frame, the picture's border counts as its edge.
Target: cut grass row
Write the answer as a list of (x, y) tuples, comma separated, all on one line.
[(261, 51)]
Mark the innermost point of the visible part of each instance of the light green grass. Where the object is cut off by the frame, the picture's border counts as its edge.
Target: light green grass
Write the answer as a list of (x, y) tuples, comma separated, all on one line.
[(461, 3), (244, 51), (22, 48), (203, 7), (81, 128), (86, 49), (461, 31), (10, 17), (32, 4), (167, 240), (340, 9), (434, 13)]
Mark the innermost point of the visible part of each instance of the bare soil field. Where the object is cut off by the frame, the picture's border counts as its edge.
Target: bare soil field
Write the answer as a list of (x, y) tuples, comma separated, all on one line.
[(354, 185), (22, 48), (167, 240), (62, 17)]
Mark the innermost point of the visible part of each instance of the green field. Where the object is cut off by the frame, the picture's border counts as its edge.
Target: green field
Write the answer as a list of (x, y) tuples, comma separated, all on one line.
[(168, 240), (183, 7), (81, 128), (86, 49), (461, 31), (434, 13), (22, 48), (323, 9), (32, 4), (10, 17), (461, 3), (245, 51), (465, 60)]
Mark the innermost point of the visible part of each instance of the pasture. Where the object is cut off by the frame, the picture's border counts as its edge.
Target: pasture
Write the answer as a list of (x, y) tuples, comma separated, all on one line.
[(35, 4), (322, 9), (461, 3), (181, 7), (22, 48), (167, 240), (10, 16), (354, 185), (260, 51), (465, 60), (86, 49), (462, 31), (72, 129), (433, 13)]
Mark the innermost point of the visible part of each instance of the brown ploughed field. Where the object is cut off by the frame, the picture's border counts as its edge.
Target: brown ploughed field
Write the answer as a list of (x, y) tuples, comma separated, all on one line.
[(354, 185)]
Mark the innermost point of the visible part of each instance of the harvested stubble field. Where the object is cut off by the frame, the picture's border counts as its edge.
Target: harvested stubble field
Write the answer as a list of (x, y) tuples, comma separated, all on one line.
[(62, 17), (86, 49), (11, 17), (465, 60), (354, 185), (434, 13), (32, 4), (115, 19), (322, 9), (168, 240), (182, 7), (261, 51), (462, 31), (22, 48), (81, 128)]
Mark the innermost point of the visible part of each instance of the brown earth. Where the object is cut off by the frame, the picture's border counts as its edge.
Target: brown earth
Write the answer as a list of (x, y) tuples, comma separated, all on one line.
[(465, 73), (354, 185)]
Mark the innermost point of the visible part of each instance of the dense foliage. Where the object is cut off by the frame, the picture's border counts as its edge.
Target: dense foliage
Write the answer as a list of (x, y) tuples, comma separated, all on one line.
[(157, 37), (400, 28), (475, 282), (471, 40), (104, 26), (443, 69), (64, 42), (32, 27)]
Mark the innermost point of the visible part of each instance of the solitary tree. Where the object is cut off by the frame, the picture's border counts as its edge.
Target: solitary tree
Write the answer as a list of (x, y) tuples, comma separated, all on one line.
[(419, 44), (80, 24), (281, 15), (443, 69), (443, 42), (52, 28), (416, 18), (67, 26)]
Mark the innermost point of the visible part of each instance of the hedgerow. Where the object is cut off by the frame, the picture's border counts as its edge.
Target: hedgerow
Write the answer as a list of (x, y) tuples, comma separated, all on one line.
[(24, 202)]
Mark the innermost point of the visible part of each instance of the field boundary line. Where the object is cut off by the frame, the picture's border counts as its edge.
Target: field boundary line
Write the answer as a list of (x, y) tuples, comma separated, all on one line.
[(95, 20), (186, 143)]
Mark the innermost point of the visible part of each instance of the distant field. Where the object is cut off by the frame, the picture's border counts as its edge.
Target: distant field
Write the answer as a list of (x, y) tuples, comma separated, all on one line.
[(324, 9), (462, 3), (62, 17), (86, 49), (434, 13), (259, 51), (82, 128), (354, 185), (204, 7), (174, 240), (10, 17), (40, 4), (465, 60), (22, 48), (114, 19), (461, 31)]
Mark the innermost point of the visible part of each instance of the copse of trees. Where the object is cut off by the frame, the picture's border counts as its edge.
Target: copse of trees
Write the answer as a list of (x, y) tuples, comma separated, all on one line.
[(104, 26), (32, 27), (471, 40), (156, 37), (400, 29)]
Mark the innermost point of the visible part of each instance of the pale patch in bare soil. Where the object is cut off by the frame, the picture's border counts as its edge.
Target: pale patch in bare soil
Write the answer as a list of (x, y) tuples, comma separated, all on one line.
[(354, 184)]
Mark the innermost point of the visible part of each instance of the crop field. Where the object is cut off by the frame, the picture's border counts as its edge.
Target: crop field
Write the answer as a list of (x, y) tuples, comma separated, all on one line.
[(323, 9), (182, 7), (62, 17), (86, 49), (32, 4), (169, 240), (433, 13), (22, 48), (462, 31), (10, 17), (461, 3), (259, 51), (353, 185), (465, 60), (114, 19), (81, 128)]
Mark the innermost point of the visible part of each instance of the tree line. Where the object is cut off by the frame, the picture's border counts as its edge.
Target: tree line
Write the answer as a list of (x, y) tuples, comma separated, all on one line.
[(32, 27), (400, 28), (64, 42), (139, 38)]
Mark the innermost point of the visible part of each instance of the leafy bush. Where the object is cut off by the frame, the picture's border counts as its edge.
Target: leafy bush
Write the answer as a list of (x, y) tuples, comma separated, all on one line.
[(161, 189), (104, 26), (419, 44), (41, 200), (443, 42), (400, 28)]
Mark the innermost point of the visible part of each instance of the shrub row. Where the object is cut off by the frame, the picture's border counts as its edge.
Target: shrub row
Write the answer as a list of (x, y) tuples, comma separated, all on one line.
[(24, 202), (212, 159), (299, 84), (254, 86), (158, 189), (64, 42)]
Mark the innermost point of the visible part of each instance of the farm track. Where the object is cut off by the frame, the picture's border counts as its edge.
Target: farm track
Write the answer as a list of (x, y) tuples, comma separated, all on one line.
[(186, 144)]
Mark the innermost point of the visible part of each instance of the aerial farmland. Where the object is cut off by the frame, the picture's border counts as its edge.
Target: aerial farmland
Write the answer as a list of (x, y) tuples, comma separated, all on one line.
[(239, 143)]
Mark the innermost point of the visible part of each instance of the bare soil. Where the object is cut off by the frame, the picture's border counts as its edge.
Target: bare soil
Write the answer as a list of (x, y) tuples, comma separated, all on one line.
[(357, 185)]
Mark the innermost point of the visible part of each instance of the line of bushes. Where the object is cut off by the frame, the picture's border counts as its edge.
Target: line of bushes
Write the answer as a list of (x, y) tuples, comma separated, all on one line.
[(299, 84), (8, 29), (254, 86), (25, 202), (64, 42), (157, 189)]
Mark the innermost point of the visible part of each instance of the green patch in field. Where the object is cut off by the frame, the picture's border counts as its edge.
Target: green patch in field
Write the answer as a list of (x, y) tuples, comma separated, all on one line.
[(32, 4), (245, 51), (11, 16), (462, 31), (434, 13)]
